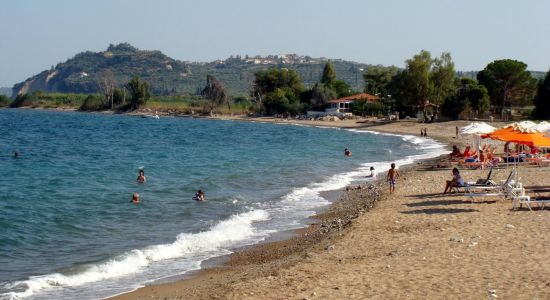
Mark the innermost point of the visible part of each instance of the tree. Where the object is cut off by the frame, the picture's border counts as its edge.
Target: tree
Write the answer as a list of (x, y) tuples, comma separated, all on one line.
[(139, 92), (469, 97), (542, 99), (341, 88), (442, 78), (107, 85), (4, 101), (320, 95), (378, 78), (508, 83), (268, 81), (329, 76), (412, 87), (216, 92)]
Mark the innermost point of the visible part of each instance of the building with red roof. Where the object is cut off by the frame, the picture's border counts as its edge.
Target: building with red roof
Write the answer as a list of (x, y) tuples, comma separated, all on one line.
[(343, 105)]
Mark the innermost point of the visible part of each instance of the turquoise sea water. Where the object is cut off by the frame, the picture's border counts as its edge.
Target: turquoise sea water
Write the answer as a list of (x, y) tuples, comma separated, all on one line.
[(69, 231)]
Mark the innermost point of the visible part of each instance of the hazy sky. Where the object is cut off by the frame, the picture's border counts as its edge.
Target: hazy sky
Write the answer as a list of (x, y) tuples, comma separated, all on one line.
[(36, 34)]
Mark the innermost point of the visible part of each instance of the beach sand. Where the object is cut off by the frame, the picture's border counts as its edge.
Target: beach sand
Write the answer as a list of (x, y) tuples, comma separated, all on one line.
[(414, 244)]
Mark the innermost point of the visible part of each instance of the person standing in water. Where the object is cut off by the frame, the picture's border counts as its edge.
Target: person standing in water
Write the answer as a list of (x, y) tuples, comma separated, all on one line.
[(393, 174), (141, 177)]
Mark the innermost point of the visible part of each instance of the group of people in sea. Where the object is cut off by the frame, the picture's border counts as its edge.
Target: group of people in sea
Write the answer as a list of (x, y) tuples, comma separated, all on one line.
[(199, 196)]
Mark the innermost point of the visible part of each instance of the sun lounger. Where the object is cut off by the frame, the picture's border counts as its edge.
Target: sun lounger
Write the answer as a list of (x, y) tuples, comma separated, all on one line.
[(528, 201), (480, 182), (505, 189)]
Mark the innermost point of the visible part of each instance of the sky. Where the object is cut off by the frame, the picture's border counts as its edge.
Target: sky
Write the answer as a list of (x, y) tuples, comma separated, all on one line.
[(38, 34)]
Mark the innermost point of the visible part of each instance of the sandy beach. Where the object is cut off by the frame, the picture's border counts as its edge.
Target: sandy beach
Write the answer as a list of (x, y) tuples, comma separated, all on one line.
[(415, 244)]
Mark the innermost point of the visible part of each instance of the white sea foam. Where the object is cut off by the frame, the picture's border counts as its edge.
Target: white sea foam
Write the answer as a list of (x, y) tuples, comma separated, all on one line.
[(298, 204), (218, 238)]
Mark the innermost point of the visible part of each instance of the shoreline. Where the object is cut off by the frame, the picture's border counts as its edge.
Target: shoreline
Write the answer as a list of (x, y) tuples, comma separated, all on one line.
[(414, 244), (272, 255)]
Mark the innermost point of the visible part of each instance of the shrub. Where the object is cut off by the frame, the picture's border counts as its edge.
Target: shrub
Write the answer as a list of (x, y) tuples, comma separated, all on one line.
[(93, 102), (4, 101)]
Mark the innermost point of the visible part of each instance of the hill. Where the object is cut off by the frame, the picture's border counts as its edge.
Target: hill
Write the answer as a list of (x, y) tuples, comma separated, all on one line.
[(168, 76), (5, 91)]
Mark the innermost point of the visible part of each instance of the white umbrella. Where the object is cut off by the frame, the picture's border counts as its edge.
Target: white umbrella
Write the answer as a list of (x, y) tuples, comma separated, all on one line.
[(526, 124), (476, 129), (542, 126)]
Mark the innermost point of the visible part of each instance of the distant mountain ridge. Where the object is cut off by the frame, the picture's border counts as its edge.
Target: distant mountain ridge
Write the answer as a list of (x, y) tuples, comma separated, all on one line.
[(5, 91), (168, 76)]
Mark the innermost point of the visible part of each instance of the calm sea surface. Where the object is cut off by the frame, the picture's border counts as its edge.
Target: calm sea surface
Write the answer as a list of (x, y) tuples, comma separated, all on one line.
[(69, 231)]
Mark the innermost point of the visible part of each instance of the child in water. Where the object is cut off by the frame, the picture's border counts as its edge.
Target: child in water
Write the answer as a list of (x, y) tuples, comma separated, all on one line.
[(393, 174), (372, 173), (141, 177), (135, 198)]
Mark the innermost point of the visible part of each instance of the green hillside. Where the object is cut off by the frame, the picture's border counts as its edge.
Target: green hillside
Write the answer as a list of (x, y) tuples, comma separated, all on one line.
[(167, 76)]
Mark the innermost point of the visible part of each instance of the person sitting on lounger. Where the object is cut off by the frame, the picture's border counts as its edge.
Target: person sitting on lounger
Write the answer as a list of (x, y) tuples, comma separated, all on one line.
[(455, 182), (467, 152), (456, 152)]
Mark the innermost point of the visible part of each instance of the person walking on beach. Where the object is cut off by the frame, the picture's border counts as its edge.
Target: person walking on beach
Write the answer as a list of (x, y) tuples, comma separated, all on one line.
[(456, 132), (393, 174)]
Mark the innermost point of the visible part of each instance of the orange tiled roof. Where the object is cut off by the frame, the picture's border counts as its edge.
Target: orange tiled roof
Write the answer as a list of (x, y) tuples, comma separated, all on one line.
[(362, 96)]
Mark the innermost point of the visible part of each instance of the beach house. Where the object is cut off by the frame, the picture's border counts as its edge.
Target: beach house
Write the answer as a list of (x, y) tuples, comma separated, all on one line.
[(343, 105)]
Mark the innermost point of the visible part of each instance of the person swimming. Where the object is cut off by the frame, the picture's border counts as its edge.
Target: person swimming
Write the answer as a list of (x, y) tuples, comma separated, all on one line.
[(347, 152), (135, 198), (199, 196), (141, 177), (15, 155)]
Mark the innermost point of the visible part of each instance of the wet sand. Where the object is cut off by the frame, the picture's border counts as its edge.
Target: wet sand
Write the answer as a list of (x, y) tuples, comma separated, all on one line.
[(414, 244)]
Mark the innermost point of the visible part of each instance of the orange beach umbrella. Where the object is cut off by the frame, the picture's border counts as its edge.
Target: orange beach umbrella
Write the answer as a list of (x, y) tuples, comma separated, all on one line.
[(514, 135)]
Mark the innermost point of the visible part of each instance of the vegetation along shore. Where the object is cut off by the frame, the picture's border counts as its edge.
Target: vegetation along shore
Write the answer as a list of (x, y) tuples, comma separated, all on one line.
[(119, 79)]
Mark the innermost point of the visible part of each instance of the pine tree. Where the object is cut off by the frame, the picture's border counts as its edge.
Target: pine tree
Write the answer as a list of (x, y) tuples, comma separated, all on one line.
[(329, 76), (542, 99)]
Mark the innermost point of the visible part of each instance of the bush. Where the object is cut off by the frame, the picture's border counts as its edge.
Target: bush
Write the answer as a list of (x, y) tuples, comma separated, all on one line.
[(22, 101), (365, 108), (93, 102), (4, 101)]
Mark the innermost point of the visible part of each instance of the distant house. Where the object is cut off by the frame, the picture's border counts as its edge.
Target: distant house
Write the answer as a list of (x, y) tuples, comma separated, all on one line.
[(343, 105)]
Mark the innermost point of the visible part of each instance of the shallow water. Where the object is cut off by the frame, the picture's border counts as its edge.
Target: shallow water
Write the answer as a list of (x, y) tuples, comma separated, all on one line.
[(68, 230)]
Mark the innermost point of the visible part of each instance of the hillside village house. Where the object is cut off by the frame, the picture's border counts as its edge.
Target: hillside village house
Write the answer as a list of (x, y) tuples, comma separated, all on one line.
[(343, 105)]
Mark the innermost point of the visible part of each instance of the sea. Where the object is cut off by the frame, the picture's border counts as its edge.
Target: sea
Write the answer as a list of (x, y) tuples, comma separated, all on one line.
[(69, 231)]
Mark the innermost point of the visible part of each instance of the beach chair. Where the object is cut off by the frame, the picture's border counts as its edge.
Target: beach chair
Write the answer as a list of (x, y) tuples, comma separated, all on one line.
[(529, 200), (484, 182), (505, 189), (526, 199)]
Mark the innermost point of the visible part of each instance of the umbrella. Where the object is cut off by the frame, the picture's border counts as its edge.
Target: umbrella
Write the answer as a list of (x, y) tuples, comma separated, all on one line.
[(527, 124), (477, 128), (518, 134), (542, 127)]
